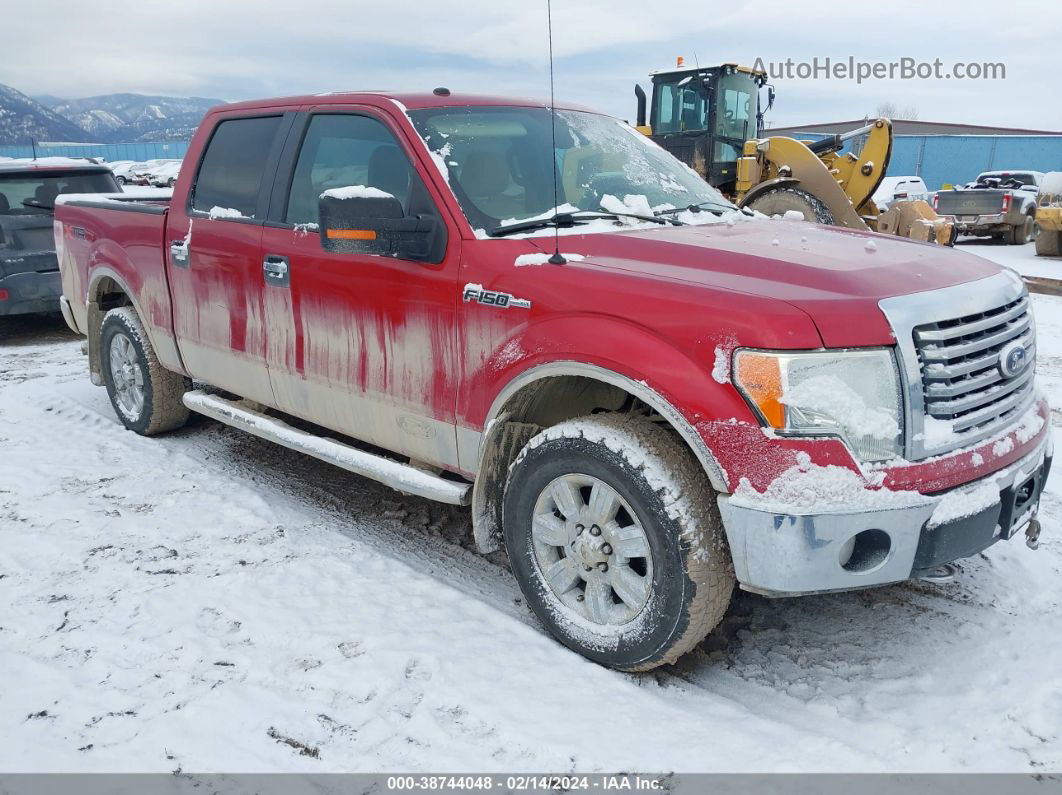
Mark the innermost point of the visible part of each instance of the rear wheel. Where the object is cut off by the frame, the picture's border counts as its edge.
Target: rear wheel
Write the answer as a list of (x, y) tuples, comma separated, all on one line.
[(145, 395), (778, 201), (615, 539), (1049, 243), (1022, 233)]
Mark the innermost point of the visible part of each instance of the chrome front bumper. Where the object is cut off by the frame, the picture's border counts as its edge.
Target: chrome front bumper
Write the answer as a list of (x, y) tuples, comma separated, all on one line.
[(787, 555)]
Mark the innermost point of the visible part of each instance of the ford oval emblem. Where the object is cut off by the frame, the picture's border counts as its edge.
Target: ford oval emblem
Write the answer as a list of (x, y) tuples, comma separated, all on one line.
[(1012, 359)]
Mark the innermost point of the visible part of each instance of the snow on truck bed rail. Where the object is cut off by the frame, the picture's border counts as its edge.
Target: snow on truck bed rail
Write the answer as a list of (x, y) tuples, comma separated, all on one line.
[(124, 197)]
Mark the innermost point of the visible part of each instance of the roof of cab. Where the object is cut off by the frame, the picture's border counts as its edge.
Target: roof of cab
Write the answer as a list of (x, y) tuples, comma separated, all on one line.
[(50, 164), (405, 101)]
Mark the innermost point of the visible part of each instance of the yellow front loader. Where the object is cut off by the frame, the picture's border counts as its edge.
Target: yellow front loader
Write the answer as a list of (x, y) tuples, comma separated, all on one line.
[(711, 119), (1049, 216)]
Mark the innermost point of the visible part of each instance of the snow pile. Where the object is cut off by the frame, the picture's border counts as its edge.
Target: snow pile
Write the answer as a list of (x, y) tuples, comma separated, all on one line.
[(50, 162), (635, 204), (122, 198), (541, 259), (961, 503), (937, 433), (224, 212), (832, 396), (356, 192), (809, 488), (1052, 183), (792, 215), (721, 366), (1003, 446)]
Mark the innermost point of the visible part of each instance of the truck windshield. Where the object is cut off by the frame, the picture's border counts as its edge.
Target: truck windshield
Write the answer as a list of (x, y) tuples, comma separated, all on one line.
[(500, 163), (27, 193)]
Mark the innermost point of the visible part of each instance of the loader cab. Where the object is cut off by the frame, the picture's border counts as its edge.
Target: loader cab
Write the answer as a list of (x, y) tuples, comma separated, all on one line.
[(703, 116)]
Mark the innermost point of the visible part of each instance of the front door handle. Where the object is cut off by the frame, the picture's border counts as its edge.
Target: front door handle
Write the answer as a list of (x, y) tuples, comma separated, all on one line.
[(276, 270), (179, 253)]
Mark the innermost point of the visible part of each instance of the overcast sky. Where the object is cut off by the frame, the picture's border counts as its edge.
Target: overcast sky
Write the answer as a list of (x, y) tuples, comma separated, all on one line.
[(237, 49)]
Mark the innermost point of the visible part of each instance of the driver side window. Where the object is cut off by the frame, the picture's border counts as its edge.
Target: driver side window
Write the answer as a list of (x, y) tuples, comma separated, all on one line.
[(341, 151)]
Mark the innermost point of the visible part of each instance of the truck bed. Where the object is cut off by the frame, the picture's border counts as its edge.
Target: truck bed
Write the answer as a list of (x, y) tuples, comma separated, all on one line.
[(114, 239)]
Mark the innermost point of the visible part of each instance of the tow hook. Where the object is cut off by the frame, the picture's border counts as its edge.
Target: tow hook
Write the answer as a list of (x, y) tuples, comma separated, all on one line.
[(1032, 534), (943, 573)]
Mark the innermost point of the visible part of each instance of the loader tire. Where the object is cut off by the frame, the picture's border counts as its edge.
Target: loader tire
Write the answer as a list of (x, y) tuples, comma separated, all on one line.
[(778, 201), (615, 538), (145, 395), (1049, 243)]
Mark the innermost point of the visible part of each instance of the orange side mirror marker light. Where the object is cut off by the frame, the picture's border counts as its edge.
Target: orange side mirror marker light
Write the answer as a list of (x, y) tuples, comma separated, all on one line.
[(351, 234)]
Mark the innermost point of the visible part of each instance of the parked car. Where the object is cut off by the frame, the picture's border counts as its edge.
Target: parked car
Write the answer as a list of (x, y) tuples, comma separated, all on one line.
[(999, 204), (165, 174), (894, 189), (642, 402), (122, 170), (29, 272), (142, 172)]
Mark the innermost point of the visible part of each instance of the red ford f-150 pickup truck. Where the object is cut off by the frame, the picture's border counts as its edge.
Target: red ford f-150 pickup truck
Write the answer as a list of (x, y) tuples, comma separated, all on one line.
[(645, 394)]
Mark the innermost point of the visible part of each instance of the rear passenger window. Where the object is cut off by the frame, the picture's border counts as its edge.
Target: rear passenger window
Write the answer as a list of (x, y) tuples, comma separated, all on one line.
[(230, 175)]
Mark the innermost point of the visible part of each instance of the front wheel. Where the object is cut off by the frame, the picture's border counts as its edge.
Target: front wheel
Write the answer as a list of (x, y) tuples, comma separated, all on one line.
[(779, 201), (1049, 243), (615, 539), (145, 395)]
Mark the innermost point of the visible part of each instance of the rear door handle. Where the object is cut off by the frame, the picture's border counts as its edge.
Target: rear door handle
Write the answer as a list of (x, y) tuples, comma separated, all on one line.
[(275, 269)]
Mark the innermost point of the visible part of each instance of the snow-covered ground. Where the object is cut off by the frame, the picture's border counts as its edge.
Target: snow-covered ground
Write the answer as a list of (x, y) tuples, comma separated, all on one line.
[(1023, 259), (208, 601)]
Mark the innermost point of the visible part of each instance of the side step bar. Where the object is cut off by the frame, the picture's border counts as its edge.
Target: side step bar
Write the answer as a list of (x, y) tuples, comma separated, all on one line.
[(402, 477)]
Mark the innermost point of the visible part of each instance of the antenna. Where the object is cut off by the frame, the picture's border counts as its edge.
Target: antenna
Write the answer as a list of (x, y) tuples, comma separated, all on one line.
[(557, 258)]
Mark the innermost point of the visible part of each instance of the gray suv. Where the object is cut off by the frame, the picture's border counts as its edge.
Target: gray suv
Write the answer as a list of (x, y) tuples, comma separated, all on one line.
[(29, 271)]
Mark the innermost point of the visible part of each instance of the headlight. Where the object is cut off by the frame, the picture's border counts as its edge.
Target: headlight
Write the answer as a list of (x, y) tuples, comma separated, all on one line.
[(851, 394)]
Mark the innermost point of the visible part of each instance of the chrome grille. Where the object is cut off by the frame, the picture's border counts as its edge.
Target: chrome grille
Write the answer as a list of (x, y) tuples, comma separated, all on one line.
[(962, 381)]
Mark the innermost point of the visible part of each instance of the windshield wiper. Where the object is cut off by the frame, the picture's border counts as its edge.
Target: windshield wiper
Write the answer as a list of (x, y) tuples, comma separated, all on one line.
[(38, 205), (567, 220), (719, 208)]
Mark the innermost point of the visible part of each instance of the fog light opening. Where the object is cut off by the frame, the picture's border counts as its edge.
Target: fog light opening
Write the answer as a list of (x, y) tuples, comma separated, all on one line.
[(865, 551)]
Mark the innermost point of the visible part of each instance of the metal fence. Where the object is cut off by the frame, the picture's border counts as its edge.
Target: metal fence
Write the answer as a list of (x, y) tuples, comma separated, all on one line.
[(938, 159), (111, 152)]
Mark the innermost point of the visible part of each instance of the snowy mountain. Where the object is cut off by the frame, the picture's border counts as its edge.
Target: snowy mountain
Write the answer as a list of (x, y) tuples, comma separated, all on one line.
[(23, 118), (134, 117)]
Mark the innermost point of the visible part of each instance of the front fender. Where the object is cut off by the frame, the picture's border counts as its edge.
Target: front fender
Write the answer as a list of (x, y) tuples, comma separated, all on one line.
[(616, 352)]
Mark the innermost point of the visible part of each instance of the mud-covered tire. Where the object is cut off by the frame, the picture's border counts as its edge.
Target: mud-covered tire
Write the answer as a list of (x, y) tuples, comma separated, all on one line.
[(1049, 243), (127, 358), (778, 201), (1019, 234), (689, 576)]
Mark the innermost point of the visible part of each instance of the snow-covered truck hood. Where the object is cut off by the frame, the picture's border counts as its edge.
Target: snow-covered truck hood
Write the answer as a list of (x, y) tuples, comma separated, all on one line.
[(835, 275)]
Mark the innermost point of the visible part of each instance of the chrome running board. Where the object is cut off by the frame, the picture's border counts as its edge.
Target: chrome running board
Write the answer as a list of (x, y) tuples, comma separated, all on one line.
[(399, 476)]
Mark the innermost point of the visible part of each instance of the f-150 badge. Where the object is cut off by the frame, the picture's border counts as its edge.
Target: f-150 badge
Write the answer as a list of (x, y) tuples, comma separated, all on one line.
[(475, 293)]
